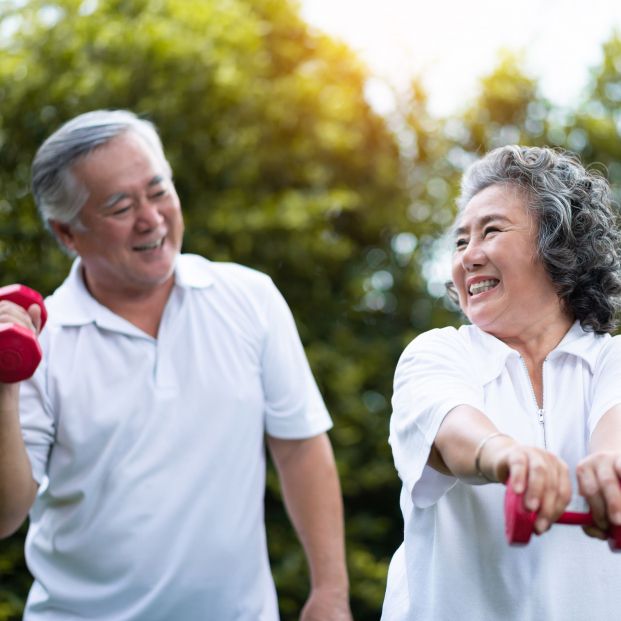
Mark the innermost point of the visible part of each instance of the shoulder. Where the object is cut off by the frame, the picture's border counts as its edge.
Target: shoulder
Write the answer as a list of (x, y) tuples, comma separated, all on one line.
[(238, 292), (192, 267), (444, 340), (466, 351), (225, 278), (608, 351), (437, 349)]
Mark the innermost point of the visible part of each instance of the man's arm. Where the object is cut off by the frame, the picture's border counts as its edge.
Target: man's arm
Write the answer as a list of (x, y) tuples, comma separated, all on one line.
[(311, 490), (17, 487)]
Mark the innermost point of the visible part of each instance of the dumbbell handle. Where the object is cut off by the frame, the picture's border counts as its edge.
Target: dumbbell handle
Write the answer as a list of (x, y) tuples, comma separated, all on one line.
[(520, 522), (574, 517)]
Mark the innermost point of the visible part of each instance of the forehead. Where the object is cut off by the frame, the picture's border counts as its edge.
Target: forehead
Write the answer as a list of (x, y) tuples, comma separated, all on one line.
[(505, 202), (125, 160)]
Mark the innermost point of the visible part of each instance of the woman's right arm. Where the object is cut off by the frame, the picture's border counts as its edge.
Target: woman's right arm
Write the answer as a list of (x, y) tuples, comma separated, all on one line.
[(467, 438), (438, 421)]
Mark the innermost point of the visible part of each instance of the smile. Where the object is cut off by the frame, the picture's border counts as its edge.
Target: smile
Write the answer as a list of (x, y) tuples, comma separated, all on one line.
[(481, 287), (152, 246)]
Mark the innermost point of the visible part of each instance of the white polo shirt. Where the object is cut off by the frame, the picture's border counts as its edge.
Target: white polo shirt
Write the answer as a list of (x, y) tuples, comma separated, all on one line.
[(150, 452), (455, 562)]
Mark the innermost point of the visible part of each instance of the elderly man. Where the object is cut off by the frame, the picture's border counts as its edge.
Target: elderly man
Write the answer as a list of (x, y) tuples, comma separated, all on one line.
[(138, 446)]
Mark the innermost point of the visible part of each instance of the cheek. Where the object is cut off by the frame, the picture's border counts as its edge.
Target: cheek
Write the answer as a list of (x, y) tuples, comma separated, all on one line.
[(457, 274), (174, 216)]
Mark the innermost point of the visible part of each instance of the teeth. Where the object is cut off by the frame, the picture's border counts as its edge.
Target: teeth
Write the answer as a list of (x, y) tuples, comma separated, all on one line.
[(151, 246), (484, 285)]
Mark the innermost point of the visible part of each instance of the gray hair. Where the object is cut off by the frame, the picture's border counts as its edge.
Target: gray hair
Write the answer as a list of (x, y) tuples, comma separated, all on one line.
[(58, 194), (578, 238)]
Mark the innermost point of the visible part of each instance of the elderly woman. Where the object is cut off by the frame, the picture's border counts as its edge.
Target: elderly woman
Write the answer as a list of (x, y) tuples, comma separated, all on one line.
[(528, 395)]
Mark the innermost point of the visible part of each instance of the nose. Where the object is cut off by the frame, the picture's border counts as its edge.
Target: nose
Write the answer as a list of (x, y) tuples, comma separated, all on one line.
[(149, 215), (472, 256)]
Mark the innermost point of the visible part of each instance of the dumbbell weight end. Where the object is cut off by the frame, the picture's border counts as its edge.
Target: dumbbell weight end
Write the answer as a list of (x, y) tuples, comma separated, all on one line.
[(20, 353)]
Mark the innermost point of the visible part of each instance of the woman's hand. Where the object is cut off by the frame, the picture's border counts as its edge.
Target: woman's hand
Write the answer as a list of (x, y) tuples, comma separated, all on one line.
[(599, 477), (542, 477)]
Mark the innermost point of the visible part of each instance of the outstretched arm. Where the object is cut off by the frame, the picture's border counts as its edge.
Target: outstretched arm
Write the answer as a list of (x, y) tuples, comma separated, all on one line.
[(466, 433), (599, 474), (311, 490)]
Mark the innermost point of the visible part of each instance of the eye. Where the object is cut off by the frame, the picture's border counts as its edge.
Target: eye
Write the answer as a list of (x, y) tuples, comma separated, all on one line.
[(460, 243), (119, 211), (490, 229), (159, 194)]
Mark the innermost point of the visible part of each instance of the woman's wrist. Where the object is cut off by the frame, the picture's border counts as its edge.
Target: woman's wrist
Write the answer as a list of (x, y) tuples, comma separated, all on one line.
[(481, 471)]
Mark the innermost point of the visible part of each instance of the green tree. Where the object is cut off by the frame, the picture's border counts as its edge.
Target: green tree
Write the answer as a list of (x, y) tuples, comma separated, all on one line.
[(282, 165), (596, 128)]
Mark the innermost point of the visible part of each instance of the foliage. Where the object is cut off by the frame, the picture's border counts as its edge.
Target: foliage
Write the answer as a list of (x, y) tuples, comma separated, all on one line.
[(282, 165)]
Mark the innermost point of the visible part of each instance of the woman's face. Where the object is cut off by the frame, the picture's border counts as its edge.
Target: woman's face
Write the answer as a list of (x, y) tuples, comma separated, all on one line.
[(503, 287)]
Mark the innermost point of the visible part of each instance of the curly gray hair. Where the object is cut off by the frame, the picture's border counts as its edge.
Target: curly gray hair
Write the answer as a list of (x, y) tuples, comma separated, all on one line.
[(578, 238)]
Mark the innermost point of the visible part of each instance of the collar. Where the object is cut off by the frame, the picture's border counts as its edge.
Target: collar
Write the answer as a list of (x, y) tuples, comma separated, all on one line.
[(72, 304), (576, 342)]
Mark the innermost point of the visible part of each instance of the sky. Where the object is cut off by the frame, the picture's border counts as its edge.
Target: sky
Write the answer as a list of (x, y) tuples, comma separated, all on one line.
[(454, 42)]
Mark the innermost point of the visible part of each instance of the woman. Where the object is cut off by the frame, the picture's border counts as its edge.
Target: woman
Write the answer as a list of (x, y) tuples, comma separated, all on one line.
[(529, 395)]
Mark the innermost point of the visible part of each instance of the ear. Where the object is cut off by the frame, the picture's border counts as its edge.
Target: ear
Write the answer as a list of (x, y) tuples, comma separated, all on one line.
[(64, 234)]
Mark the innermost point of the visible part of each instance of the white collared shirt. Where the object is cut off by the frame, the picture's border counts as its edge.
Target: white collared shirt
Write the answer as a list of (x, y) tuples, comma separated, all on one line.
[(150, 452), (455, 562)]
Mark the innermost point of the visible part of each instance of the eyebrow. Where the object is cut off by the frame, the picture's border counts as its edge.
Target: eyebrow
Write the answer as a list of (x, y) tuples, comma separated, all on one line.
[(492, 217), (112, 200)]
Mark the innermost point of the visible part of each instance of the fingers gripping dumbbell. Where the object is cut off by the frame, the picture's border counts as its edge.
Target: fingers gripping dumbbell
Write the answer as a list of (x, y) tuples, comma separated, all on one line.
[(20, 353), (520, 522)]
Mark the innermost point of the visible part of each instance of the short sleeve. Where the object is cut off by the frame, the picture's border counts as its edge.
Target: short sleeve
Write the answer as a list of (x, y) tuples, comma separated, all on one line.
[(294, 407), (37, 420), (434, 375), (606, 387)]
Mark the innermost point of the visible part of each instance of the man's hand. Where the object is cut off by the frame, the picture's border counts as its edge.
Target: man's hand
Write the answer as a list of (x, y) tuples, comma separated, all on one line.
[(326, 605), (310, 486)]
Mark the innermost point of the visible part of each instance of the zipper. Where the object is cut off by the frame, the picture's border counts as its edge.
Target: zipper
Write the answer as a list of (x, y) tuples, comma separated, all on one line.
[(540, 410)]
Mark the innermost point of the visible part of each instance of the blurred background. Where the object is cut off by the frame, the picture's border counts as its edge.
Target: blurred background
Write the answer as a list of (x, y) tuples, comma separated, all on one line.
[(321, 143)]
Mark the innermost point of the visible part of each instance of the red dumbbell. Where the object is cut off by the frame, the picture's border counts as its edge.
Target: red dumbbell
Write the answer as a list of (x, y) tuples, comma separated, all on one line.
[(20, 352), (519, 521)]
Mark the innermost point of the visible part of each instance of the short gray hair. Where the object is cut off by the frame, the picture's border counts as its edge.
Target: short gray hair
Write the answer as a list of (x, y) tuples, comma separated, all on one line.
[(578, 238), (58, 194)]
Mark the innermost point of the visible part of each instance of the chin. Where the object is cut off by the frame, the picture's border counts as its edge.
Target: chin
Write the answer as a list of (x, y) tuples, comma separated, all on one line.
[(483, 323)]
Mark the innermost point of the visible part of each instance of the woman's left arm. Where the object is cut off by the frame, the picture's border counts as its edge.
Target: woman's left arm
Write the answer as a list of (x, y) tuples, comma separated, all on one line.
[(599, 473)]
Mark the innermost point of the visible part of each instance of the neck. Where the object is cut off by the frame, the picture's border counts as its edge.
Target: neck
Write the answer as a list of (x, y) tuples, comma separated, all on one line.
[(142, 308), (539, 339), (534, 344)]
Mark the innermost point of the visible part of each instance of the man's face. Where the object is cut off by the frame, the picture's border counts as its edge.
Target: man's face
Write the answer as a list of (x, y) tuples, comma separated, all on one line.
[(131, 227)]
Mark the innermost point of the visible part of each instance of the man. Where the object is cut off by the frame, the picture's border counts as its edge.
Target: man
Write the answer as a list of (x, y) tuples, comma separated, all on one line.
[(142, 460)]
